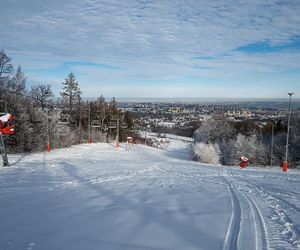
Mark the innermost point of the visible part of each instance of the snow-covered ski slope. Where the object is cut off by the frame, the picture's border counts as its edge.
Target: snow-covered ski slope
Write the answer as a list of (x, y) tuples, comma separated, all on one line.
[(96, 197)]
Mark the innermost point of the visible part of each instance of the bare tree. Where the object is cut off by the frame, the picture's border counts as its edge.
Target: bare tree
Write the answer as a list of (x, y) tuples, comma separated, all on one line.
[(40, 93), (5, 66)]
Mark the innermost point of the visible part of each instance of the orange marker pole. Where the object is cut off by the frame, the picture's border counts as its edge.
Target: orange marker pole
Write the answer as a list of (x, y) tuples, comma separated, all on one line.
[(48, 147)]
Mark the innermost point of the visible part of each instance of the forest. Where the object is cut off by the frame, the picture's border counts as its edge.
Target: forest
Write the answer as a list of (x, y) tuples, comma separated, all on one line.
[(41, 118), (220, 141)]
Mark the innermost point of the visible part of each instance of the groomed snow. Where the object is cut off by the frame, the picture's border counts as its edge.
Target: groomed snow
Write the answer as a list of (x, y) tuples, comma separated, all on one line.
[(96, 197)]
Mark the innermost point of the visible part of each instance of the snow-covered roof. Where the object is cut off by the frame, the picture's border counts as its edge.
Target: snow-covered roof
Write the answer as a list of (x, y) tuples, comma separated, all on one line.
[(5, 118)]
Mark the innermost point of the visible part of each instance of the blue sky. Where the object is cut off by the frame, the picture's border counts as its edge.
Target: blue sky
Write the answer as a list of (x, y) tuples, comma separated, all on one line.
[(147, 48)]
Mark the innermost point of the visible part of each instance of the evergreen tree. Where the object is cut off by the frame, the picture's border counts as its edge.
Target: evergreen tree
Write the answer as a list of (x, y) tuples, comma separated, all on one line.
[(102, 107), (113, 110), (128, 119), (17, 83), (71, 92)]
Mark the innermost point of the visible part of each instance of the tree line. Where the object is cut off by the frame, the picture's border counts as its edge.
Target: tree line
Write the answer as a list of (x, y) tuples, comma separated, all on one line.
[(70, 120), (219, 141), (65, 121)]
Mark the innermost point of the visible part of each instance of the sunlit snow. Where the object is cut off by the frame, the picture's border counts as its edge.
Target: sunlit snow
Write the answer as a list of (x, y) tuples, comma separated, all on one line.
[(96, 197)]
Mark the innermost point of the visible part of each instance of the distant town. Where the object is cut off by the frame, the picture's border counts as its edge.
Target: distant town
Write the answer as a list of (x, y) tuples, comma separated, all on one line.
[(168, 115)]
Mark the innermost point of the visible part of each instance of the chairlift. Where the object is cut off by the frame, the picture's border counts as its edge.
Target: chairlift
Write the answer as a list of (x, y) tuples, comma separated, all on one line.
[(96, 124), (64, 119), (124, 125), (112, 125), (63, 131)]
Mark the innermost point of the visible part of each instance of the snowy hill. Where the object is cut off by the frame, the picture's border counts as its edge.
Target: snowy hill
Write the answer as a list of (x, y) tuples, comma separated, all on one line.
[(96, 197)]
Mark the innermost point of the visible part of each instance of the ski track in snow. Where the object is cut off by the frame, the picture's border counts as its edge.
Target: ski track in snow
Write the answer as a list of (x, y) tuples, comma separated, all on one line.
[(231, 240), (259, 225), (145, 198), (279, 217), (277, 223)]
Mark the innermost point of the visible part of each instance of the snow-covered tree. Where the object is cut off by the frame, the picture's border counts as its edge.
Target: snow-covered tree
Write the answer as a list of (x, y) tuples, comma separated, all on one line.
[(214, 130), (294, 149), (207, 153), (248, 146)]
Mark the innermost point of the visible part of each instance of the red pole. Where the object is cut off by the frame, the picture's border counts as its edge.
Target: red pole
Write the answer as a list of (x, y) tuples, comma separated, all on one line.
[(285, 166), (48, 147)]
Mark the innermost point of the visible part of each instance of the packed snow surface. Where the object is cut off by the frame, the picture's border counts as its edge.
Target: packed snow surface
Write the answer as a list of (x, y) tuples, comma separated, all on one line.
[(96, 197)]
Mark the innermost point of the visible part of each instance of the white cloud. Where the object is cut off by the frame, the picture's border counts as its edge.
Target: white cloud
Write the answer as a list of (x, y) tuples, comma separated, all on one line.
[(151, 39)]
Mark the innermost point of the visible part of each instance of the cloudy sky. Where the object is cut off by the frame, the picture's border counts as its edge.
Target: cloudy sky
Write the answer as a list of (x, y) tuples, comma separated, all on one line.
[(157, 48)]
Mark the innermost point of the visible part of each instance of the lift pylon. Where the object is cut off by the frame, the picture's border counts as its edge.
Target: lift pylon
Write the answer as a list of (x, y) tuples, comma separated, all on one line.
[(3, 151), (6, 128)]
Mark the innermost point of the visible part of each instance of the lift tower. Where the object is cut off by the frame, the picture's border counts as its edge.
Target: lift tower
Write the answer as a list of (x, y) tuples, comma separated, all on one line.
[(6, 128)]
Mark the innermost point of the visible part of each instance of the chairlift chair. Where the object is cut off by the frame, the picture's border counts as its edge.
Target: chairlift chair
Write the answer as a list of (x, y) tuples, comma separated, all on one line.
[(112, 125), (96, 124), (64, 119), (124, 125)]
